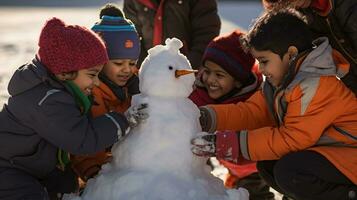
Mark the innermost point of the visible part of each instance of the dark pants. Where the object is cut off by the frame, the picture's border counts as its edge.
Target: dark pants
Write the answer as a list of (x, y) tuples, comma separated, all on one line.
[(18, 185), (307, 175), (256, 186)]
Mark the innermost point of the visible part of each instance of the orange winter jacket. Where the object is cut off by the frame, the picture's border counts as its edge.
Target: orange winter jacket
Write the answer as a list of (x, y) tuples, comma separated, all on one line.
[(315, 111), (106, 101), (87, 166)]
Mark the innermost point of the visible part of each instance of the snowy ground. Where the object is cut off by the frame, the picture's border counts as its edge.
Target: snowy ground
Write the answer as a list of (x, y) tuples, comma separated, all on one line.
[(21, 24)]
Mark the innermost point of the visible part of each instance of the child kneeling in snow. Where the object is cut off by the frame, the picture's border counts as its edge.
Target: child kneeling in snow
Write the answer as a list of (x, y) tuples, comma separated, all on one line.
[(118, 81), (46, 115), (230, 75), (302, 126)]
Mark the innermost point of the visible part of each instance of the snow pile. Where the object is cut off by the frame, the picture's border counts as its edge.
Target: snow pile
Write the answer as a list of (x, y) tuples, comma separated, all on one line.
[(155, 161)]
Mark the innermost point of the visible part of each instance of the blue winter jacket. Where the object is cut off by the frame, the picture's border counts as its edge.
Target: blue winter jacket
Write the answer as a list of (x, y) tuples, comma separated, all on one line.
[(41, 116)]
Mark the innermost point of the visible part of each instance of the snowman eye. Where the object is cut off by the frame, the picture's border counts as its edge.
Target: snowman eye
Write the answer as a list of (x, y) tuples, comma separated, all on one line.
[(171, 68)]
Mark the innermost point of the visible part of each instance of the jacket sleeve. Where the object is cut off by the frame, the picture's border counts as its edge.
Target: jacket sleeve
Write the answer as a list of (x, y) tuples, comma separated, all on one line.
[(251, 114), (346, 13), (59, 121), (205, 25), (312, 107)]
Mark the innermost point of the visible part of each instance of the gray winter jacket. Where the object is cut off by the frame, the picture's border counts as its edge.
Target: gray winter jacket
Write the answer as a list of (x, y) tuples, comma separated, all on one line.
[(41, 116)]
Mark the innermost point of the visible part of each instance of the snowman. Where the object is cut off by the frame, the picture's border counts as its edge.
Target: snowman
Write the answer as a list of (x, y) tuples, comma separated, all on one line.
[(155, 162)]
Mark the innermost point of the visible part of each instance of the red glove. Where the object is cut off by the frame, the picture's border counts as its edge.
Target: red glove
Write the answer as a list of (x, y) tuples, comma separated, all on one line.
[(222, 144), (227, 146)]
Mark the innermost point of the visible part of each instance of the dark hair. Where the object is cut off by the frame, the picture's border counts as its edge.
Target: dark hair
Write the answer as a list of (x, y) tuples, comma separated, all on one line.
[(110, 9), (276, 30)]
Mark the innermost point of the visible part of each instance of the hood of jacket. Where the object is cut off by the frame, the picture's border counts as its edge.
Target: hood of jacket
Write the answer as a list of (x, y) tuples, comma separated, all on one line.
[(29, 76), (319, 62)]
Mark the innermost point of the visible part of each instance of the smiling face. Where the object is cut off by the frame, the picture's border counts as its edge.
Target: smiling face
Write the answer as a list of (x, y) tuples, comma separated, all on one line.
[(120, 70), (86, 79), (216, 80), (271, 65)]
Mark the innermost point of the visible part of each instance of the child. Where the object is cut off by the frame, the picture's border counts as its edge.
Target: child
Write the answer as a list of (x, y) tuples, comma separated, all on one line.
[(194, 22), (302, 126), (117, 79), (231, 76), (335, 19), (46, 115)]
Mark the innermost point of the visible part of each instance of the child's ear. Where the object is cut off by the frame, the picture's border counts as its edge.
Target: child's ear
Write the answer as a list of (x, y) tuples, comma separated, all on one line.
[(293, 52)]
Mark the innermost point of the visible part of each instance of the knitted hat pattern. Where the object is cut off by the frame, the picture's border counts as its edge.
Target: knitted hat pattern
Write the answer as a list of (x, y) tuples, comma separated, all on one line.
[(227, 52), (67, 48), (120, 36)]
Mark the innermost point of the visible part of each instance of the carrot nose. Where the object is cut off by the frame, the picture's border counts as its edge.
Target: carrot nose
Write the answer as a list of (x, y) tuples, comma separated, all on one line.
[(181, 72)]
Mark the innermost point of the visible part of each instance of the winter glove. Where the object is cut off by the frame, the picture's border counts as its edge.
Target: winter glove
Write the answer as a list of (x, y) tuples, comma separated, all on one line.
[(136, 114), (221, 144)]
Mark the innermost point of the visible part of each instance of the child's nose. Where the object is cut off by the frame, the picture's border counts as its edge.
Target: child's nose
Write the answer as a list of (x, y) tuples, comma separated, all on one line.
[(211, 78), (126, 68)]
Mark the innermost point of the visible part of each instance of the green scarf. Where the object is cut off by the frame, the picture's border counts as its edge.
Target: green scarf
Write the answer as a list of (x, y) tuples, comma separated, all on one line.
[(81, 99), (85, 104)]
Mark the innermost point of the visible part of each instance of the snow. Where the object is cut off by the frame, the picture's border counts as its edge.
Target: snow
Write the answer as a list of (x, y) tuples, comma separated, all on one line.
[(19, 35), (19, 32), (21, 25), (238, 14), (155, 161)]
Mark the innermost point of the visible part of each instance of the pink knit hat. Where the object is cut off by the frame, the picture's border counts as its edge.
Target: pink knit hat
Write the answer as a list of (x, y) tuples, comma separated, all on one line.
[(67, 48)]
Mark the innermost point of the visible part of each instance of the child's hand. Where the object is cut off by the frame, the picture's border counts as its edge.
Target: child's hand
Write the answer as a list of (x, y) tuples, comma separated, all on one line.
[(137, 114), (222, 144), (207, 119), (204, 144)]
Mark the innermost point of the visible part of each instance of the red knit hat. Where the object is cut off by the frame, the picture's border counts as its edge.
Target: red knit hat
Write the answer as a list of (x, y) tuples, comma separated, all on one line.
[(226, 51), (67, 48)]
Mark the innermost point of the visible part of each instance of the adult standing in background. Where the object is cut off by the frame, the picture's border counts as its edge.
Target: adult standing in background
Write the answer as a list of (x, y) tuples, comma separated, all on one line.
[(194, 22)]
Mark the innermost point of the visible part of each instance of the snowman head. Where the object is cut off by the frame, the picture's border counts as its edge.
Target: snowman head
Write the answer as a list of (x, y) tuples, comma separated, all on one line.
[(166, 72)]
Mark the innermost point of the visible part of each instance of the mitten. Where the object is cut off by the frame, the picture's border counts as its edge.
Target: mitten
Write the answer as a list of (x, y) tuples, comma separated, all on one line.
[(136, 114)]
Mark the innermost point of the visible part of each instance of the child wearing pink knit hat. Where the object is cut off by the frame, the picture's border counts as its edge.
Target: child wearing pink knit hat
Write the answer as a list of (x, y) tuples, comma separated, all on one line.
[(46, 116)]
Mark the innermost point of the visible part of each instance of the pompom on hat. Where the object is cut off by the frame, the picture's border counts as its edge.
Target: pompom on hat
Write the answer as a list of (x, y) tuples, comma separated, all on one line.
[(67, 48)]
